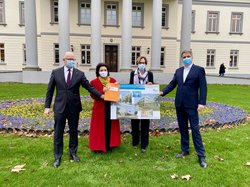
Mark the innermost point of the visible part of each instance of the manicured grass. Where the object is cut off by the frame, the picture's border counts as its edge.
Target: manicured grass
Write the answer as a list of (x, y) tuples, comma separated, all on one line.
[(126, 166), (10, 91)]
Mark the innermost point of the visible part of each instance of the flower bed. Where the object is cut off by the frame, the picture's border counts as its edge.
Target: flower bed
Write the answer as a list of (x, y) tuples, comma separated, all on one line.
[(27, 115)]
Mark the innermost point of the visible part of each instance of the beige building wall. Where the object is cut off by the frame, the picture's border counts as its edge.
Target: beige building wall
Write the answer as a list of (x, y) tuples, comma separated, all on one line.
[(222, 42), (12, 35)]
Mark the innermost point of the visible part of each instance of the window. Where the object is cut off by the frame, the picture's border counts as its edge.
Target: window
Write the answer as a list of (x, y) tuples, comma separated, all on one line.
[(136, 52), (21, 13), (234, 57), (85, 12), (56, 53), (165, 15), (24, 54), (162, 56), (111, 14), (236, 22), (210, 57), (2, 12), (2, 55), (213, 22), (137, 15), (193, 22), (54, 11), (85, 54)]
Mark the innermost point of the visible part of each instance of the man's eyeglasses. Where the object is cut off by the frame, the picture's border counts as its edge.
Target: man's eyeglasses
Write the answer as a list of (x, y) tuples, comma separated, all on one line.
[(186, 57)]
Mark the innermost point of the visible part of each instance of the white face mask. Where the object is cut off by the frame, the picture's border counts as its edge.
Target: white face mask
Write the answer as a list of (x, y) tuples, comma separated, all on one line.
[(103, 74)]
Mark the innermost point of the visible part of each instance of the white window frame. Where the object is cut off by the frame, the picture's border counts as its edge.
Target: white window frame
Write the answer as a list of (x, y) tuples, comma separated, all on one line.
[(21, 13), (115, 22), (137, 15), (2, 53), (236, 23), (2, 12), (213, 18), (210, 60), (165, 15), (136, 52), (85, 54), (56, 54), (84, 16), (54, 11), (234, 58)]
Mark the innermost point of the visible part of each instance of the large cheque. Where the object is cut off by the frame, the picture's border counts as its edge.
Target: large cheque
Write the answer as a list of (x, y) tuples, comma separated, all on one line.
[(137, 102)]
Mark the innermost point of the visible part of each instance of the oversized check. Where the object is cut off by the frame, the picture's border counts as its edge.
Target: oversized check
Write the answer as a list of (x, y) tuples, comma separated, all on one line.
[(137, 102)]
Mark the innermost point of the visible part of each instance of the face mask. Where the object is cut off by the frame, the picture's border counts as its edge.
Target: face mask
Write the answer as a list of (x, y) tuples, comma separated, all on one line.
[(103, 74), (141, 66), (70, 63), (187, 61)]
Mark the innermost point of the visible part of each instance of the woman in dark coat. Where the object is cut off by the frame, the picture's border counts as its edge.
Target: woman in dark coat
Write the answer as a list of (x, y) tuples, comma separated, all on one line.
[(141, 76), (104, 132), (222, 70)]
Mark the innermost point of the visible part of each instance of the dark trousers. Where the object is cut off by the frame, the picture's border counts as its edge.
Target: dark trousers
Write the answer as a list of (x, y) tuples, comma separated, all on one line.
[(135, 124), (59, 126), (107, 125), (183, 116)]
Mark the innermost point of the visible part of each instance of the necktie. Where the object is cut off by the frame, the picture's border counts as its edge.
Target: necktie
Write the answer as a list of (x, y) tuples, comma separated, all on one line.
[(68, 78)]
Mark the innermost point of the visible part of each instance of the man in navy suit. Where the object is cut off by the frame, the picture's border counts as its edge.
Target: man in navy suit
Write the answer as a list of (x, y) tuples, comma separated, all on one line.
[(67, 81), (190, 98)]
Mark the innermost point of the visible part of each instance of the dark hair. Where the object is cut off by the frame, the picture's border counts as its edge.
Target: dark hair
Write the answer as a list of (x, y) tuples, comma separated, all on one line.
[(98, 68), (187, 51)]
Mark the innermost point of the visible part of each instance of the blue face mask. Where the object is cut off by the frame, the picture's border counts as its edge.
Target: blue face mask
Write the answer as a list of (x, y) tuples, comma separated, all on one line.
[(187, 61), (141, 66), (70, 63)]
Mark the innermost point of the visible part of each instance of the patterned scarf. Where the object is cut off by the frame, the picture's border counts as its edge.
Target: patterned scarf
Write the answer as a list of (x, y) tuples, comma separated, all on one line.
[(140, 78), (104, 81)]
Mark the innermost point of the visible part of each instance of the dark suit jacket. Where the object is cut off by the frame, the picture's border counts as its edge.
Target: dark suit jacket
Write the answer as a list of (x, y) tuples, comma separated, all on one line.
[(193, 91), (64, 95), (150, 77)]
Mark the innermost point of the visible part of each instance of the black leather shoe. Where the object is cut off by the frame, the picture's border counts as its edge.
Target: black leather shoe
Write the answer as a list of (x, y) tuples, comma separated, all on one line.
[(202, 162), (74, 158), (182, 154), (56, 163)]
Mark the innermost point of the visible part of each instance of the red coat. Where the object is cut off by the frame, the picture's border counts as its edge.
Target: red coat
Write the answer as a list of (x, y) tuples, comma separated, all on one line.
[(97, 126)]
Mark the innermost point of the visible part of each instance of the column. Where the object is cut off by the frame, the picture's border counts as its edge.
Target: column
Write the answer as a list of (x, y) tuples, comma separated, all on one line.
[(126, 35), (186, 24), (95, 33), (31, 36), (156, 36), (63, 16)]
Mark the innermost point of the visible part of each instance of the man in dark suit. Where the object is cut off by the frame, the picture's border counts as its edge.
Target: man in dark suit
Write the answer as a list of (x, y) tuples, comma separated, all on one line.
[(67, 81), (190, 98)]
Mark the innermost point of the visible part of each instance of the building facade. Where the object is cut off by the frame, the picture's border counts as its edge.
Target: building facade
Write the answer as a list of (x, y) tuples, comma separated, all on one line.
[(35, 33)]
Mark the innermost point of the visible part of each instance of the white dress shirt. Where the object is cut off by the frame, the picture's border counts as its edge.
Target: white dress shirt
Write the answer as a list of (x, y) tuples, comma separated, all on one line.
[(66, 72), (186, 71)]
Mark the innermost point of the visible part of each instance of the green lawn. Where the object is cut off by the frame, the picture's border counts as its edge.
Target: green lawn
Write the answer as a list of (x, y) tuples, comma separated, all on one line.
[(126, 166)]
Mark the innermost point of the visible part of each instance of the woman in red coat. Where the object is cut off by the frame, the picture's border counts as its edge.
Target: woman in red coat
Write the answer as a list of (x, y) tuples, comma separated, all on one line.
[(104, 132)]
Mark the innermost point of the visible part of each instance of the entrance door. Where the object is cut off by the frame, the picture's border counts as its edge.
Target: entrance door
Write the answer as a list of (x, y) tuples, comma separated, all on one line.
[(111, 57)]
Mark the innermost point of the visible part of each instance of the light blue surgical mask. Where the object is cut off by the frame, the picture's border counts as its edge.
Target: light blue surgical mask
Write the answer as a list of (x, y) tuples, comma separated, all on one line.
[(103, 74), (141, 66), (70, 63), (187, 61)]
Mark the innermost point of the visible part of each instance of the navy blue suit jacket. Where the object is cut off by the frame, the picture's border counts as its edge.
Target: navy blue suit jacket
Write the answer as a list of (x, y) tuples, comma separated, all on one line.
[(191, 92)]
